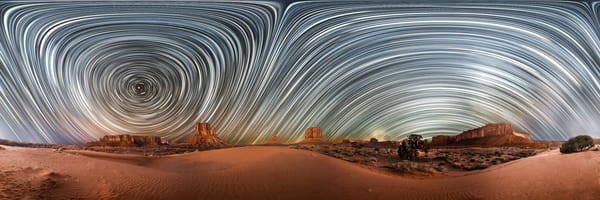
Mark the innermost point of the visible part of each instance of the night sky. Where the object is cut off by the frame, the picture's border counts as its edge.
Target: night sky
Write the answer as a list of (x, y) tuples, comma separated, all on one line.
[(71, 72)]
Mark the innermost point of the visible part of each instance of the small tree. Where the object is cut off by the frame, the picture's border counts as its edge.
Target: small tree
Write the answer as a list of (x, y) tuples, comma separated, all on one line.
[(577, 144), (410, 146)]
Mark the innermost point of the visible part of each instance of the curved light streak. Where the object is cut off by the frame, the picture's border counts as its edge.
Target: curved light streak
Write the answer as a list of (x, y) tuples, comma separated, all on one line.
[(72, 72)]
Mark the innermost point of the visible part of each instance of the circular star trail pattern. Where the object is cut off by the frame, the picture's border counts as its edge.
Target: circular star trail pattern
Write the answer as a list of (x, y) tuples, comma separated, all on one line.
[(72, 72)]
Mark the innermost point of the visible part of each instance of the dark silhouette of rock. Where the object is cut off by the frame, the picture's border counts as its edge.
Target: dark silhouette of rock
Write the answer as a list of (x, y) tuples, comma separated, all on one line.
[(127, 140), (488, 135), (313, 134), (373, 140), (205, 135)]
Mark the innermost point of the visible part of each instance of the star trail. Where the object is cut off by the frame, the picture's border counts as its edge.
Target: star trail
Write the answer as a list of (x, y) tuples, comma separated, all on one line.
[(71, 72)]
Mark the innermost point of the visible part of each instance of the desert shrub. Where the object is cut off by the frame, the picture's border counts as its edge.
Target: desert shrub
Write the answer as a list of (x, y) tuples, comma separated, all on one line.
[(481, 166), (403, 166), (371, 159), (440, 168), (577, 144), (408, 166), (410, 146)]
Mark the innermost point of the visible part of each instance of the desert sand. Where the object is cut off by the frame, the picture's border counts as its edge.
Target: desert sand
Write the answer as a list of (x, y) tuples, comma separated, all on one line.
[(279, 173)]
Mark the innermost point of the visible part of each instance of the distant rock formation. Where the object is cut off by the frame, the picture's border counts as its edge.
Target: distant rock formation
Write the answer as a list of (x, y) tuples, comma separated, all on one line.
[(373, 140), (313, 134), (127, 140), (273, 140), (488, 135), (31, 145), (205, 135)]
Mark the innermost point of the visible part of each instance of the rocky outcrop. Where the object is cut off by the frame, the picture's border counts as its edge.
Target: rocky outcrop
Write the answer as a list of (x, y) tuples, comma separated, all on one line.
[(313, 134), (205, 135), (373, 140), (442, 140), (488, 135), (127, 140), (27, 144), (273, 140)]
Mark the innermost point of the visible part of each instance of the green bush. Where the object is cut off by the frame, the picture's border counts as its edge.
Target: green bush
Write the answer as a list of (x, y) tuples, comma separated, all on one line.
[(577, 144), (410, 146)]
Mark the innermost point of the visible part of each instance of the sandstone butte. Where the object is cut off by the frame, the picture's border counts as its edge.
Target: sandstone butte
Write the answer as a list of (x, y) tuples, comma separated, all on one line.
[(127, 140), (313, 134), (489, 135), (205, 135), (273, 140)]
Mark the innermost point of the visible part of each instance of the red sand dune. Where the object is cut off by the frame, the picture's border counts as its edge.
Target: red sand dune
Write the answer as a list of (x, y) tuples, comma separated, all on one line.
[(279, 173)]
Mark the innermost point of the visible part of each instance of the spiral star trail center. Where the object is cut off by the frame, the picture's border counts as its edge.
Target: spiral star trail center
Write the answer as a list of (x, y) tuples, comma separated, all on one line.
[(73, 72)]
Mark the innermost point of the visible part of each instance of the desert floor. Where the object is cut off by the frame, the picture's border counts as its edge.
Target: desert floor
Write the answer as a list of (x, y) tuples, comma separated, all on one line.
[(279, 173)]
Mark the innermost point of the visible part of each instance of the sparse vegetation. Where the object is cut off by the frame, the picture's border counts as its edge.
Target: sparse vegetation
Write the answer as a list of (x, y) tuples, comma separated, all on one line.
[(409, 149), (577, 144), (384, 155), (481, 166), (407, 166)]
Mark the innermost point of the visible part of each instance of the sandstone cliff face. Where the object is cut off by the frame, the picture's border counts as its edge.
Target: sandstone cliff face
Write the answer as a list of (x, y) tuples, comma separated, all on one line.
[(205, 135), (441, 140), (488, 135), (127, 140), (313, 134), (523, 135)]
